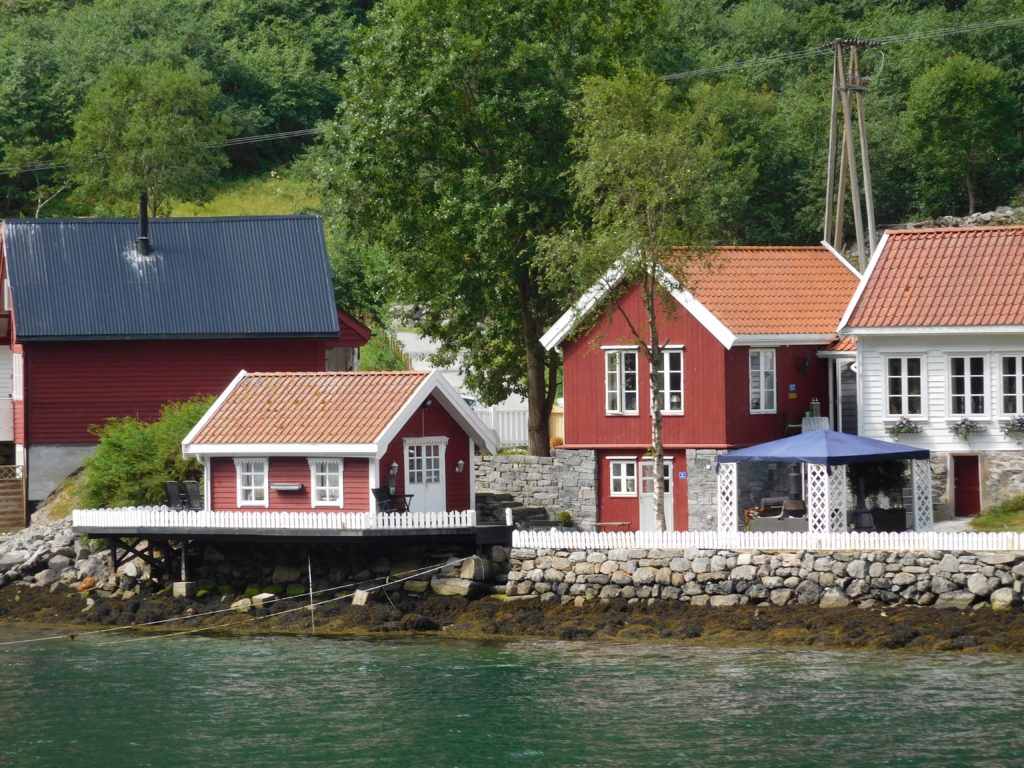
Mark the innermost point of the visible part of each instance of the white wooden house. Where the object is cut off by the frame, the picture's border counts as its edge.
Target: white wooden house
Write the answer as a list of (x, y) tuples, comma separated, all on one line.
[(939, 326)]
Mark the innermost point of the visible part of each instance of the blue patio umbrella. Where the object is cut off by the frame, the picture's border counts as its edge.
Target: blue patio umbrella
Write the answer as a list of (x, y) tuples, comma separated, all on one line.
[(824, 446)]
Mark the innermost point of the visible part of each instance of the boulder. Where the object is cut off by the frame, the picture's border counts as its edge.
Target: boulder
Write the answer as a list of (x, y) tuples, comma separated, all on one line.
[(452, 587), (285, 573), (957, 600), (1002, 599), (59, 562), (835, 598), (242, 606), (977, 584), (13, 558), (46, 577), (724, 601)]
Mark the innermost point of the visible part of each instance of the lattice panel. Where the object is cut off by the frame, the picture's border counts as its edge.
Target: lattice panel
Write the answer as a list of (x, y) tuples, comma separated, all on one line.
[(817, 498), (837, 498), (921, 478), (728, 513)]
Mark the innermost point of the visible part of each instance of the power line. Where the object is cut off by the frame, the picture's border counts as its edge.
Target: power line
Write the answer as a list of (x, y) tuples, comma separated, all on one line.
[(237, 141), (826, 50)]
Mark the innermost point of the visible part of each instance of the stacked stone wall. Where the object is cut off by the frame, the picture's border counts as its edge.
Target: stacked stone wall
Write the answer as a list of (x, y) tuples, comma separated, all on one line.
[(721, 577), (565, 480)]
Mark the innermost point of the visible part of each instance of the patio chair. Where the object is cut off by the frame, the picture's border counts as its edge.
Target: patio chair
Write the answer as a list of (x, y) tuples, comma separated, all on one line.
[(794, 508), (391, 502), (173, 495), (192, 495)]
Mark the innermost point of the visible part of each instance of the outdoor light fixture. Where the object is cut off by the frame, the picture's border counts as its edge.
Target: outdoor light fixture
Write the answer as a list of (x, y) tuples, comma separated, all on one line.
[(460, 465)]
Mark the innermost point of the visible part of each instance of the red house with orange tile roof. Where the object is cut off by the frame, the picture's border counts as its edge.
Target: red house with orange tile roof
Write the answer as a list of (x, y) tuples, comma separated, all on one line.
[(741, 366), (307, 442), (939, 322)]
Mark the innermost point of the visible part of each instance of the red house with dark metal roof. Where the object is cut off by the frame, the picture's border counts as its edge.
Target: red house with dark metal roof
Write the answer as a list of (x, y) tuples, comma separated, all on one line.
[(307, 442), (94, 325), (741, 367)]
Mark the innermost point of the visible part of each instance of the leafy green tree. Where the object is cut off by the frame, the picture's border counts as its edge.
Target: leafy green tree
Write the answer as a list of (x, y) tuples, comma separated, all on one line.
[(133, 459), (655, 183), (379, 353), (450, 151), (962, 130), (149, 128)]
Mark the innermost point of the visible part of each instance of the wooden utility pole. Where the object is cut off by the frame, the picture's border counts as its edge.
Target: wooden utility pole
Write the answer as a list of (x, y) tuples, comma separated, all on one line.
[(844, 83)]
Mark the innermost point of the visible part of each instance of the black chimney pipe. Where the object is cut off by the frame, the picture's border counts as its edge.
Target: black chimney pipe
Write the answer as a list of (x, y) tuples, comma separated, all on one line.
[(143, 246)]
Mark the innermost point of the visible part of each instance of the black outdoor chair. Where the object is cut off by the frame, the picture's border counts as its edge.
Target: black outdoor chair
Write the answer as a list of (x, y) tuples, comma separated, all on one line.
[(391, 502), (192, 495), (172, 492)]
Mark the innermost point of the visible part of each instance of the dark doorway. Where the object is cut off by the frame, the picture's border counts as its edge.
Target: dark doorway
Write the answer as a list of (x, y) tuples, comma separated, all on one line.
[(966, 486)]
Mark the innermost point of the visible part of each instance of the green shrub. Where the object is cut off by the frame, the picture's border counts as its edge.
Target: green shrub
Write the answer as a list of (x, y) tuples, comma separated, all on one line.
[(378, 354), (1007, 516), (133, 458)]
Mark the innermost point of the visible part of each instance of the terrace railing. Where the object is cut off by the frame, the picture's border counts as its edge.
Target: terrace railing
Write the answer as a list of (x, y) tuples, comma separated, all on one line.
[(904, 541), (166, 519)]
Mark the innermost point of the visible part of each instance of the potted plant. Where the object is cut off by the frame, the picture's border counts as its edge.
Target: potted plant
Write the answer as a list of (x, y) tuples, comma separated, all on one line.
[(902, 427), (964, 427), (1014, 428)]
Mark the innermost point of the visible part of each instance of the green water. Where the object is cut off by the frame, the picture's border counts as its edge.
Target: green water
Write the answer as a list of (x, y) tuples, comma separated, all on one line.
[(200, 701)]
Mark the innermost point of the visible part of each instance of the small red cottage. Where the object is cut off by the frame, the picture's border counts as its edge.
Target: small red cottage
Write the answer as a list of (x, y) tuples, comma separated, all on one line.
[(740, 367), (307, 442)]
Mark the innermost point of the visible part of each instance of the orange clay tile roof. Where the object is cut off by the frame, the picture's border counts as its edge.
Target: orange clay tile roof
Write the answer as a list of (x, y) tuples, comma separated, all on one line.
[(967, 276), (845, 344), (343, 407), (775, 290)]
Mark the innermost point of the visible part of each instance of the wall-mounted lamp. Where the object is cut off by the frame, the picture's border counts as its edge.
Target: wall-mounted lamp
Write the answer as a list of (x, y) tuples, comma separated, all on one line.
[(427, 403), (805, 364), (460, 465), (393, 476)]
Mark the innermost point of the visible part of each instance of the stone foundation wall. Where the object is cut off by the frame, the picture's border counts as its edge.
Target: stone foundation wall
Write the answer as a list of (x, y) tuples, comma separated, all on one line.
[(717, 577), (1002, 477), (565, 480)]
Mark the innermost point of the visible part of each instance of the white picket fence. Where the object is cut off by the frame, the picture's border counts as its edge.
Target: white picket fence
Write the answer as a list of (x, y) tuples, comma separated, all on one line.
[(510, 423), (143, 518), (904, 541)]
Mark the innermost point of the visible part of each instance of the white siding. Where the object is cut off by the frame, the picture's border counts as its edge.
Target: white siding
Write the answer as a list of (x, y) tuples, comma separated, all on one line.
[(935, 350)]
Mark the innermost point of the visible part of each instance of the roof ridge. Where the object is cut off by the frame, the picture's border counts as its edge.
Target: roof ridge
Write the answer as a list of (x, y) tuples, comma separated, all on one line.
[(963, 230), (337, 373)]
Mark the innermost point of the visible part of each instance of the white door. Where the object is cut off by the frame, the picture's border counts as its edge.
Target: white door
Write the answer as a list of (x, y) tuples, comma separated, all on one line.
[(424, 474), (647, 489)]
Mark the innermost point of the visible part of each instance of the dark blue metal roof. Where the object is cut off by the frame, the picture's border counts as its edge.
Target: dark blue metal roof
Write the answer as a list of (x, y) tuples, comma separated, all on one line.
[(823, 446), (208, 278)]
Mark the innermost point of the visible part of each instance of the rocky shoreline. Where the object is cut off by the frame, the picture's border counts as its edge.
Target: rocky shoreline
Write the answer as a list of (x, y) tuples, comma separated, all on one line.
[(50, 577)]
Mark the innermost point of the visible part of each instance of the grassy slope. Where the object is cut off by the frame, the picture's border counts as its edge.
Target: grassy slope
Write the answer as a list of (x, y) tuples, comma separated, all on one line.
[(273, 193), (1008, 516)]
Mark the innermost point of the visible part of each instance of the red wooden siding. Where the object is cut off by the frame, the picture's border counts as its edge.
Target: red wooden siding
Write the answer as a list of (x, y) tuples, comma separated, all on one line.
[(71, 385), (290, 469), (703, 420), (796, 367), (626, 509), (435, 421)]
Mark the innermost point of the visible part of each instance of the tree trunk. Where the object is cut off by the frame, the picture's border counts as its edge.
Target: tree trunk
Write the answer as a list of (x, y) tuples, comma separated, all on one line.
[(970, 194), (540, 381), (654, 368)]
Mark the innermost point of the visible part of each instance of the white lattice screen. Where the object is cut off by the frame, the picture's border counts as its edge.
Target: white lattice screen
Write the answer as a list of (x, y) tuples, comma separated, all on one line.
[(817, 498), (921, 479), (837, 498), (728, 514)]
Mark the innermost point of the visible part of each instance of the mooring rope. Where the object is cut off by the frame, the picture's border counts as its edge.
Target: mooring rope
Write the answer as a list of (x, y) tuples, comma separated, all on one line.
[(352, 585)]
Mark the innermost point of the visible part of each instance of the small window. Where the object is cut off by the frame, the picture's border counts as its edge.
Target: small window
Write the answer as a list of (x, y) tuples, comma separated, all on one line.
[(903, 386), (672, 381), (1012, 382), (423, 463), (623, 477), (762, 381), (967, 386), (620, 381), (325, 482), (252, 482)]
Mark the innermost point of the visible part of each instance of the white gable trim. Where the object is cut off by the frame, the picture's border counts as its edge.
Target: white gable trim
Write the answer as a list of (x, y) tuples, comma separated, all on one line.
[(875, 258), (562, 327), (783, 339), (825, 244), (259, 450), (934, 330), (187, 449), (437, 385)]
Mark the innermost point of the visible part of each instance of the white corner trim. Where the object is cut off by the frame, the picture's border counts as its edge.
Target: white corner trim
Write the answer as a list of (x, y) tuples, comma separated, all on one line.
[(187, 449), (843, 330)]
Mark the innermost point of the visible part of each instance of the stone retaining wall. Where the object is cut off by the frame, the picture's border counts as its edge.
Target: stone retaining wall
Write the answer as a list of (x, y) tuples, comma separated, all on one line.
[(565, 480), (717, 577)]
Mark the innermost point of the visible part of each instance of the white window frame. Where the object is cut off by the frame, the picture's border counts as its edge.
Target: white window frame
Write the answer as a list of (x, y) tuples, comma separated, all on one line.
[(904, 394), (760, 387), (615, 384), (1018, 377), (968, 393), (316, 473), (240, 488), (666, 372), (617, 466), (17, 376)]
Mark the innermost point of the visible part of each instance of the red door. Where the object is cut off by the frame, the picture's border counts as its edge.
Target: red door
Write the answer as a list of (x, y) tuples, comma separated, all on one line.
[(966, 486)]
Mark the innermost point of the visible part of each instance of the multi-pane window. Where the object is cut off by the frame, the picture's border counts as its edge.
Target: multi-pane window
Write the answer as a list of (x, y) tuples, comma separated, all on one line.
[(623, 477), (762, 381), (325, 482), (647, 485), (1012, 381), (423, 463), (903, 386), (966, 386), (620, 381), (672, 381), (252, 482)]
